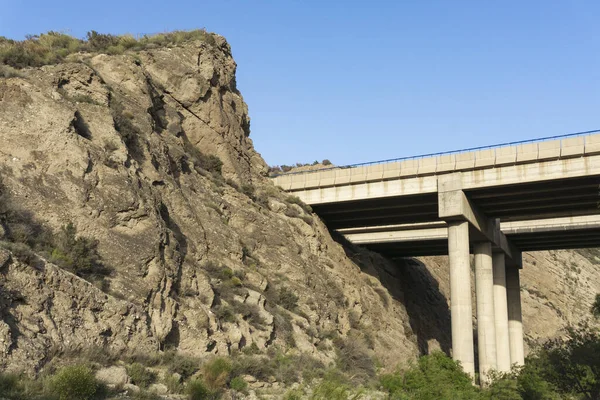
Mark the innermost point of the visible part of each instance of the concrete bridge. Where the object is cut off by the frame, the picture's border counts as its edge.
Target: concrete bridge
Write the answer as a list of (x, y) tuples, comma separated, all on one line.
[(494, 202)]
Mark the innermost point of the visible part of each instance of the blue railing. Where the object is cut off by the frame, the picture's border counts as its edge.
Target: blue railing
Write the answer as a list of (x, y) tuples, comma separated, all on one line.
[(443, 153)]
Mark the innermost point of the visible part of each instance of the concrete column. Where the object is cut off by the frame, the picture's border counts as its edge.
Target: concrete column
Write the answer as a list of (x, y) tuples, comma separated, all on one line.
[(515, 322), (461, 311), (501, 313), (486, 329)]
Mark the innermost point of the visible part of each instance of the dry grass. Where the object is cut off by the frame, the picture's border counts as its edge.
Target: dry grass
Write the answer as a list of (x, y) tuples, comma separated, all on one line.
[(55, 47)]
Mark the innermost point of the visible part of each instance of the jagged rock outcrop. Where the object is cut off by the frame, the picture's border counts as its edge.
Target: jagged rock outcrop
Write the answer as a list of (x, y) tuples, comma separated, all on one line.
[(202, 262), (120, 146)]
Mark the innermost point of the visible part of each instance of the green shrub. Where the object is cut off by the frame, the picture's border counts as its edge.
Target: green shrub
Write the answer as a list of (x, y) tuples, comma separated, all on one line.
[(232, 183), (21, 251), (197, 390), (285, 368), (145, 395), (224, 313), (100, 41), (140, 375), (9, 386), (296, 200), (206, 162), (75, 382), (76, 254), (239, 384), (502, 386), (123, 124), (391, 383), (248, 189), (568, 366), (182, 365), (282, 325), (210, 163), (250, 313), (262, 198), (21, 387), (292, 213), (436, 376), (287, 299), (334, 387), (173, 384), (218, 271), (216, 373), (354, 358), (293, 394), (251, 350), (258, 366), (21, 227), (291, 368)]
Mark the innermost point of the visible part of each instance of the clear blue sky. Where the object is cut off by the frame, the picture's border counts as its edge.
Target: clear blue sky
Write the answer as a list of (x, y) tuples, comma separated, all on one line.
[(358, 81)]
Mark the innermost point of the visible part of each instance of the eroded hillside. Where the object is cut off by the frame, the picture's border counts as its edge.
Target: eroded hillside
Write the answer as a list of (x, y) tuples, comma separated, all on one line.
[(203, 258)]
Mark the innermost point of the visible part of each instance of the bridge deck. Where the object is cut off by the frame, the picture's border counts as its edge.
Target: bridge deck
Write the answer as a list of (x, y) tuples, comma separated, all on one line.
[(524, 182), (568, 147)]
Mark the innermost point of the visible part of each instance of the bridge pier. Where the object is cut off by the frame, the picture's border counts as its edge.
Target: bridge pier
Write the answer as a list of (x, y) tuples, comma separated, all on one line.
[(515, 324), (461, 311), (461, 215), (486, 329), (501, 313)]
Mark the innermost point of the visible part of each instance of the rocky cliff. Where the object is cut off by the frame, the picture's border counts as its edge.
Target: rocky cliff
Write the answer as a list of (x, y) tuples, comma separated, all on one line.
[(148, 156), (201, 257)]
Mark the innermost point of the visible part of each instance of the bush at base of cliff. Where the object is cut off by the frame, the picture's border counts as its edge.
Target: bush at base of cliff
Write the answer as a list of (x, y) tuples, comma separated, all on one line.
[(21, 387), (216, 373), (334, 386), (435, 376), (75, 382), (569, 366), (140, 375), (197, 390), (239, 385)]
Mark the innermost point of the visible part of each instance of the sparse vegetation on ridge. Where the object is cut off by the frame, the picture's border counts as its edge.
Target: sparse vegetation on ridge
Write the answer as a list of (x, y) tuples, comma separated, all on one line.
[(55, 47), (281, 169)]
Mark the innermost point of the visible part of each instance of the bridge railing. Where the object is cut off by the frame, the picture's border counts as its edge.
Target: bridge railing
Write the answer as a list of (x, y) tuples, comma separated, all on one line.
[(554, 147)]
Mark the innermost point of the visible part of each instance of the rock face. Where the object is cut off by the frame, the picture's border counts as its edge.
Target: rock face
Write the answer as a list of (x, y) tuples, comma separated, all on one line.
[(202, 262), (119, 146)]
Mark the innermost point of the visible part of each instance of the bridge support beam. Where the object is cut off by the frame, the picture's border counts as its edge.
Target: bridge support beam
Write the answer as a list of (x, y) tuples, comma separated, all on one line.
[(515, 322), (501, 313), (455, 205), (486, 329), (461, 311)]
